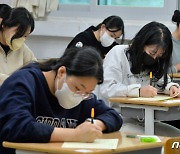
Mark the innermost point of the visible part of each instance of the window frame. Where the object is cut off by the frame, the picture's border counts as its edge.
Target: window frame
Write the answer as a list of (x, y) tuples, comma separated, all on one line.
[(134, 13)]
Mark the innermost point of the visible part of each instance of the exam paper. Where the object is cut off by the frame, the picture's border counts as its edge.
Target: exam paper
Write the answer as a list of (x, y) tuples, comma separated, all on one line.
[(155, 98), (97, 144)]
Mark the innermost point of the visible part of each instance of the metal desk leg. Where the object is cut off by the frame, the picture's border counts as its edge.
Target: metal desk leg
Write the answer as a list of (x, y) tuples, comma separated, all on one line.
[(149, 121)]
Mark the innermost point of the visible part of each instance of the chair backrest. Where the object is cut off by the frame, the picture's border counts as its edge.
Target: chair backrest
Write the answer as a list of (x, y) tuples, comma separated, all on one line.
[(172, 146)]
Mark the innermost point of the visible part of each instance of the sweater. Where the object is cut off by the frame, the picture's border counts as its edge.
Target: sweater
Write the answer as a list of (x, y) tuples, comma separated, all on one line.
[(175, 55), (119, 80), (14, 60), (29, 111), (87, 38)]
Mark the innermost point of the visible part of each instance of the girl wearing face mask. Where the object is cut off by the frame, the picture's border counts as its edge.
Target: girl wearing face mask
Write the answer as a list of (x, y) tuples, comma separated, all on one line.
[(52, 101), (127, 67), (16, 24), (175, 67), (102, 37)]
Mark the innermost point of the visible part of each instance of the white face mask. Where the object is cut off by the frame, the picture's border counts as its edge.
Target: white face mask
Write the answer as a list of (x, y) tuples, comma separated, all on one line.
[(106, 40), (66, 98), (16, 43)]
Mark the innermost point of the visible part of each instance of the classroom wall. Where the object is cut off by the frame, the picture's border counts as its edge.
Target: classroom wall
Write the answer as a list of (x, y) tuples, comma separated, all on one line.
[(51, 37)]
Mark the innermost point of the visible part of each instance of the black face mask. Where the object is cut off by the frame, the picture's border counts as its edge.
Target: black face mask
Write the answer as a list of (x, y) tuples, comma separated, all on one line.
[(148, 60)]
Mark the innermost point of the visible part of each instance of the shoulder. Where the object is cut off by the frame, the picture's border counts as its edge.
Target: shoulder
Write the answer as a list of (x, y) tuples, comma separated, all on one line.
[(176, 43), (118, 51), (120, 47), (25, 49), (26, 76), (80, 39)]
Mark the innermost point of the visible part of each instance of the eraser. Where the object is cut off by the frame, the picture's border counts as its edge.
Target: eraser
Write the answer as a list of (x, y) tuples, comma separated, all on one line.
[(148, 139)]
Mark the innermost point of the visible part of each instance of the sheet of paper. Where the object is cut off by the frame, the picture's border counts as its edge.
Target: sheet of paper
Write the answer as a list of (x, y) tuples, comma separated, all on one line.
[(97, 144), (155, 98), (172, 101)]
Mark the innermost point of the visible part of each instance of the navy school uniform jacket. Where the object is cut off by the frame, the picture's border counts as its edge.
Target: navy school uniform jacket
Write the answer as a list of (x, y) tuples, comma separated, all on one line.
[(87, 38), (29, 111)]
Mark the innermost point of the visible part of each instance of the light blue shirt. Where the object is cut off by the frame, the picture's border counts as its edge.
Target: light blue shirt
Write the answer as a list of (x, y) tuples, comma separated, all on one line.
[(175, 54)]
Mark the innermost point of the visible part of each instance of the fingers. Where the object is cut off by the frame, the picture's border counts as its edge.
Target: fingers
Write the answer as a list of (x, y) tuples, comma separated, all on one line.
[(153, 91), (88, 132), (174, 93), (98, 127)]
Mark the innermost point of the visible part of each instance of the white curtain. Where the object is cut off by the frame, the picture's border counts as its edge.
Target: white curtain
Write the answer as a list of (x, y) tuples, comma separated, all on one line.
[(39, 8)]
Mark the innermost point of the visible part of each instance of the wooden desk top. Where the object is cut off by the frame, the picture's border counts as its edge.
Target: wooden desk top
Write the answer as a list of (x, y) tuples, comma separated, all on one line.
[(175, 75), (164, 103), (125, 144)]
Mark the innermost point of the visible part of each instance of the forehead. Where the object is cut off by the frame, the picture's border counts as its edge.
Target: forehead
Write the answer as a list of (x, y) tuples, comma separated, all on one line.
[(117, 34), (87, 82), (153, 48)]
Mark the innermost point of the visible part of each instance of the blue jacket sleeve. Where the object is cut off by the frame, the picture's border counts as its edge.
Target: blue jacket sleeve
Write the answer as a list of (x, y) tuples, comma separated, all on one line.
[(108, 115), (17, 123)]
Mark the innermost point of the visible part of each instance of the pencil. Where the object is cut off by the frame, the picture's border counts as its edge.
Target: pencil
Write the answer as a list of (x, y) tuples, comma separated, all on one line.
[(150, 76), (92, 115)]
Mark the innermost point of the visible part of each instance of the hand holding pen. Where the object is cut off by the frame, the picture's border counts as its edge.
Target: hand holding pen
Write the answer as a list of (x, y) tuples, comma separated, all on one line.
[(149, 90)]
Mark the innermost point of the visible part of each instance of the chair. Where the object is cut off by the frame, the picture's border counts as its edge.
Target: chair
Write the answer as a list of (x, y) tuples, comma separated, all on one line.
[(172, 146)]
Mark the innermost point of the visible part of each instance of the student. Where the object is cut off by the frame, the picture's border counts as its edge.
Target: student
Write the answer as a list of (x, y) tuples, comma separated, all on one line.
[(175, 67), (4, 11), (102, 37), (176, 43), (127, 67), (48, 102), (15, 25)]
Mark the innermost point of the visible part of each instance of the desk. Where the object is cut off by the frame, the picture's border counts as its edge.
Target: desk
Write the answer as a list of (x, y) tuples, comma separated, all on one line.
[(176, 77), (153, 110), (124, 145)]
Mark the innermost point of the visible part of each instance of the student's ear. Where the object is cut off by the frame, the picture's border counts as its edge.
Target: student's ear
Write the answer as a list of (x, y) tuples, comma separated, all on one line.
[(61, 71)]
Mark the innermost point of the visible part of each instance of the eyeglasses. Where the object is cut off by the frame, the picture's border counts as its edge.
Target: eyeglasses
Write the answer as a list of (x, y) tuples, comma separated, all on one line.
[(84, 96)]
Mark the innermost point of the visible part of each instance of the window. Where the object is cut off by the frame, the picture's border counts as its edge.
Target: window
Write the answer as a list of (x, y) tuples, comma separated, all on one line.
[(74, 2), (127, 3), (132, 3), (126, 9)]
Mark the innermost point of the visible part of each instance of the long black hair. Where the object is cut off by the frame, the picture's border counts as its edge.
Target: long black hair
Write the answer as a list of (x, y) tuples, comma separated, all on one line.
[(21, 18), (153, 33), (115, 23), (85, 62)]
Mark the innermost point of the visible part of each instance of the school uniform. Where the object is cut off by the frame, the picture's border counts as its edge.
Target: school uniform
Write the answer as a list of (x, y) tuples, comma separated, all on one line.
[(10, 60), (87, 38), (29, 111), (120, 81)]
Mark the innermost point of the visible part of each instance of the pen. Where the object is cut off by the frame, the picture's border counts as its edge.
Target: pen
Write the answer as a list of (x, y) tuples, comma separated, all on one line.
[(92, 115), (131, 136), (150, 76)]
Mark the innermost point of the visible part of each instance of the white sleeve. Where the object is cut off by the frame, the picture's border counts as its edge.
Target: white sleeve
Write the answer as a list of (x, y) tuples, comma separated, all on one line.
[(113, 77), (169, 84)]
